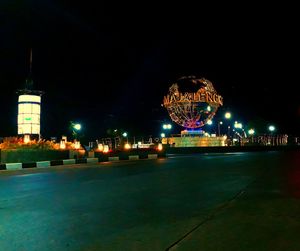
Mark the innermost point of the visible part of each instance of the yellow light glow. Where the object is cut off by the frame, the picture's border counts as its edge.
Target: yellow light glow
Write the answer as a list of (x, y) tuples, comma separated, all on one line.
[(26, 138), (238, 125), (227, 115), (271, 128), (29, 110), (127, 146), (100, 147), (77, 145), (105, 149), (159, 147), (251, 131), (62, 144), (30, 98), (77, 127)]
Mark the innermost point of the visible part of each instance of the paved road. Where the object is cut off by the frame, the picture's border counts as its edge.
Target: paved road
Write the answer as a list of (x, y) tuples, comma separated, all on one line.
[(195, 202)]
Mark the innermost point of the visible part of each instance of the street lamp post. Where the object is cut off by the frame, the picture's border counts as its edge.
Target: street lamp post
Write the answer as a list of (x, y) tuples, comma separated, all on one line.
[(166, 127), (228, 131), (251, 133), (75, 127), (125, 134), (238, 125), (219, 124), (227, 116), (272, 128)]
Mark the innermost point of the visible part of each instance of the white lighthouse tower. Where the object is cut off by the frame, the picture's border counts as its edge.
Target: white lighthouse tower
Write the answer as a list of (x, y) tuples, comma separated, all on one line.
[(29, 109)]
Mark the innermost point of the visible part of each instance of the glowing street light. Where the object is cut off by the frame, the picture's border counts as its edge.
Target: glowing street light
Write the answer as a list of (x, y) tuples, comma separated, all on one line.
[(271, 128), (77, 127), (167, 126), (251, 131), (219, 125), (238, 125), (227, 115), (125, 135), (209, 122)]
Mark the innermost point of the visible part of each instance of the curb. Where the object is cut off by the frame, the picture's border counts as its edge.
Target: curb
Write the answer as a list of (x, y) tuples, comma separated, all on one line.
[(45, 164)]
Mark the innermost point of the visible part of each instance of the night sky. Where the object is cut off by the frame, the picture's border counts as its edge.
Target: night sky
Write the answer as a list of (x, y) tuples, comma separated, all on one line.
[(110, 68)]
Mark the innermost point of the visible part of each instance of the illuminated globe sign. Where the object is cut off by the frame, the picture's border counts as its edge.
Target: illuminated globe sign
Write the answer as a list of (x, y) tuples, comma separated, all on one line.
[(191, 102)]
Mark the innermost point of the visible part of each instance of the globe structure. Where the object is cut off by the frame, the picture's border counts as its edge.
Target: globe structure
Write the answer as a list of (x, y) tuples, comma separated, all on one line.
[(191, 102)]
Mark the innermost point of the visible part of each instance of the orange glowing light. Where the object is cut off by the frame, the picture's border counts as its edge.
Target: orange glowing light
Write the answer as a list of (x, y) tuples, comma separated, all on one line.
[(105, 149), (100, 147), (159, 147), (127, 146), (62, 144)]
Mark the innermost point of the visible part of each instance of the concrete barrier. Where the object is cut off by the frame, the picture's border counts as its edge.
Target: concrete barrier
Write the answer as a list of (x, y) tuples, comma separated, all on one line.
[(133, 157), (113, 158), (136, 155), (92, 160), (152, 156), (69, 161), (14, 166), (41, 164)]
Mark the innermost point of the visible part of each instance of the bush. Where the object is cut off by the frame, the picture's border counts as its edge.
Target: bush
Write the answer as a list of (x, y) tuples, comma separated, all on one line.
[(17, 143)]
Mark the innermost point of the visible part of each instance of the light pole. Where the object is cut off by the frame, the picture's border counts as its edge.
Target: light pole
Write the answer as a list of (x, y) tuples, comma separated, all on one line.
[(166, 127), (209, 122), (228, 131), (272, 128), (238, 125), (75, 127), (125, 134), (251, 132), (227, 116), (219, 124)]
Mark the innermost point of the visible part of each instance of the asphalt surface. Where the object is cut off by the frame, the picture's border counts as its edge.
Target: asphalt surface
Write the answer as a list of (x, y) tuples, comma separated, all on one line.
[(237, 201)]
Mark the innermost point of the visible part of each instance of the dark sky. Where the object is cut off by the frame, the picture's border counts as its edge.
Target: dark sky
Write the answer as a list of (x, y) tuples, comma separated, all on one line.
[(108, 67)]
